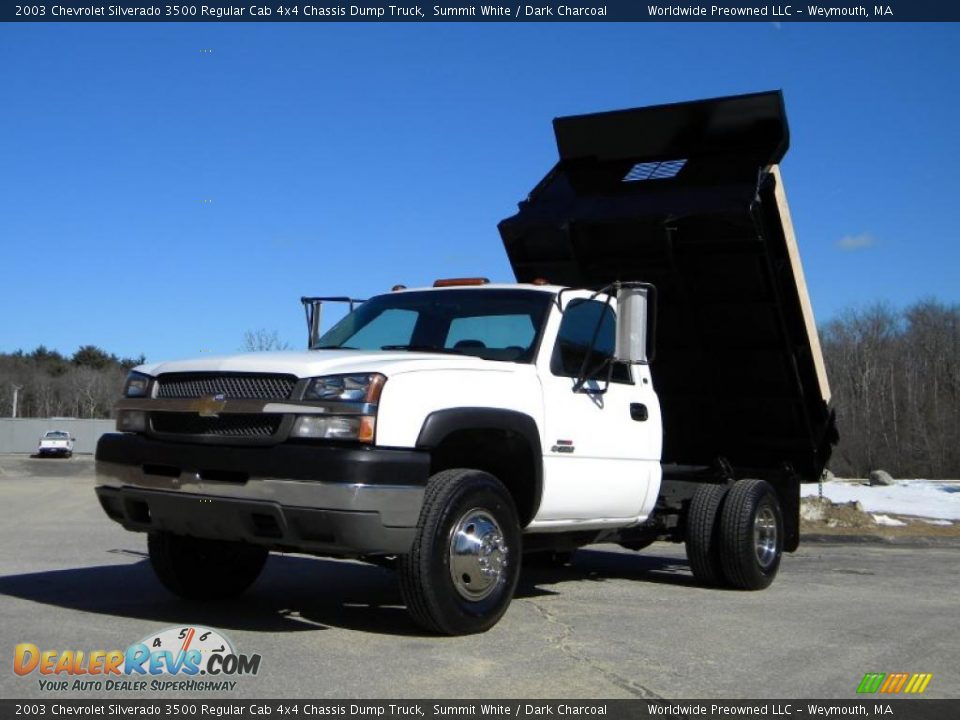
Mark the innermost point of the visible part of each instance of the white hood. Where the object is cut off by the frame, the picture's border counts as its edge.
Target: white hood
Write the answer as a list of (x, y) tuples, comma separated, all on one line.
[(311, 363)]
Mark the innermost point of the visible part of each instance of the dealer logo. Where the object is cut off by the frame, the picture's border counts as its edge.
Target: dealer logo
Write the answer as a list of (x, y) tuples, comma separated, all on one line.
[(183, 651)]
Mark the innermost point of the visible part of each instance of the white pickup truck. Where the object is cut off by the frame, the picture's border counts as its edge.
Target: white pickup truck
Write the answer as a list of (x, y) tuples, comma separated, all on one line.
[(55, 442), (654, 374)]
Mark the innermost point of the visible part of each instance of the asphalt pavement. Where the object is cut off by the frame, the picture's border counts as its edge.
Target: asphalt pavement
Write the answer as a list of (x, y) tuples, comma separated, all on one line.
[(616, 624)]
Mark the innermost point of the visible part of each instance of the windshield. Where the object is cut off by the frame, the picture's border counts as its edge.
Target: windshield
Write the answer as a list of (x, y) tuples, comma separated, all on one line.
[(56, 435), (491, 324)]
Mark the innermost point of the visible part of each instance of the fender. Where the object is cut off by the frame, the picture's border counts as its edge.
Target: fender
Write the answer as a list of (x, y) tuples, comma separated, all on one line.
[(440, 424)]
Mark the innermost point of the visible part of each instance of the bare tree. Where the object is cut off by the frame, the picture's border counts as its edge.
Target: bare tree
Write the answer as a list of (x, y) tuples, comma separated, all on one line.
[(896, 386), (262, 340)]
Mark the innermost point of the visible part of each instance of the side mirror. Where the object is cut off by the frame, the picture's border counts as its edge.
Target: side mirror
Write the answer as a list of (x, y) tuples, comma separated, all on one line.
[(636, 320)]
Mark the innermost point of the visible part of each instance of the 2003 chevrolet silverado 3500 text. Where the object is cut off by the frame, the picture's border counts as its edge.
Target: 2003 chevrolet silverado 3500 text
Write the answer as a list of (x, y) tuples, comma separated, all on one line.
[(654, 373)]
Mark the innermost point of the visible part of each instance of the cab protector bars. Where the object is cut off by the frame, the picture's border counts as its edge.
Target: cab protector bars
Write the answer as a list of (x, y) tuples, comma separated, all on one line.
[(313, 308)]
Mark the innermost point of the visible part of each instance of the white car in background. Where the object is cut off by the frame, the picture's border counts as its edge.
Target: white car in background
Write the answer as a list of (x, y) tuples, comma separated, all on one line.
[(56, 442)]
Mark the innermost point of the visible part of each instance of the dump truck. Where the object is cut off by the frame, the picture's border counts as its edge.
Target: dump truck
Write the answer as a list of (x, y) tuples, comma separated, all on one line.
[(654, 373)]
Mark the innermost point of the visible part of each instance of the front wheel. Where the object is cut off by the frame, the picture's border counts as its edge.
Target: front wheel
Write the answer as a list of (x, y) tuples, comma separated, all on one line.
[(200, 569), (462, 570), (751, 535)]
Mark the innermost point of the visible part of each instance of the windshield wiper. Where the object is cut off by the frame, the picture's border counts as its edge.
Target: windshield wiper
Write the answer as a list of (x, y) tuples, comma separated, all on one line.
[(422, 348)]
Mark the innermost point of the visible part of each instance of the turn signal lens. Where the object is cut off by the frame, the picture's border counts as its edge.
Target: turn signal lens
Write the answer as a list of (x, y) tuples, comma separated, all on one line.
[(131, 421), (368, 426), (335, 427)]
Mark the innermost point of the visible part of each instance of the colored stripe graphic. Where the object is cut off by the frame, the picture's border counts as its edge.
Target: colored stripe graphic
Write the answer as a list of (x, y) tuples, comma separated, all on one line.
[(914, 683), (893, 683), (920, 682), (871, 682)]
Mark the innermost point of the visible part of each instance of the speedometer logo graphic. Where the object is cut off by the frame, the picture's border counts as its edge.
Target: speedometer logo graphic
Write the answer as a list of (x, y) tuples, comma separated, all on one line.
[(181, 639)]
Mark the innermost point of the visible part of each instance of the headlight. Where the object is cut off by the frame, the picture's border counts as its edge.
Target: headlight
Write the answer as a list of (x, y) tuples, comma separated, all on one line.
[(346, 388), (137, 385), (357, 420)]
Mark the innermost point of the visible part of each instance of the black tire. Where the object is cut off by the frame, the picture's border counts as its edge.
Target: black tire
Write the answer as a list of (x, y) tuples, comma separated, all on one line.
[(466, 505), (199, 569), (703, 534), (751, 535)]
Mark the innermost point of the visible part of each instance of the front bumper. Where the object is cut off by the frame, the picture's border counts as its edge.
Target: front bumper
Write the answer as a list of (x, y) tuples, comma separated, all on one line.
[(54, 451), (310, 498)]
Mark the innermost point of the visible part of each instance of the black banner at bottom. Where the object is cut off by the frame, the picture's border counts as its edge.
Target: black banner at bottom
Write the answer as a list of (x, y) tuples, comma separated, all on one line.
[(874, 707)]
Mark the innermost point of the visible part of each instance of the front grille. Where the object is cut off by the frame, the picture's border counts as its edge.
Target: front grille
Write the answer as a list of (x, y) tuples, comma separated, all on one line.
[(238, 386), (239, 425)]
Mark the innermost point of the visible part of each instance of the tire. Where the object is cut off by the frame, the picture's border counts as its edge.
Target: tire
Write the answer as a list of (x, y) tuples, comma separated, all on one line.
[(703, 535), (751, 535), (200, 569), (452, 584)]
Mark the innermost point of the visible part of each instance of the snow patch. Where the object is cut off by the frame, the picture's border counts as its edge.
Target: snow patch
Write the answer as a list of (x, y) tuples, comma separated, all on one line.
[(888, 521), (920, 498)]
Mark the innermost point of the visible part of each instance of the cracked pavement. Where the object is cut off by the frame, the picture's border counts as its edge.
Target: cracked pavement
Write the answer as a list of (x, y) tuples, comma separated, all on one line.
[(616, 624)]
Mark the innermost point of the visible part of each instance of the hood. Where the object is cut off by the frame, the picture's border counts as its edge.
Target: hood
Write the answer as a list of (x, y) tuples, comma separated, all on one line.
[(311, 363)]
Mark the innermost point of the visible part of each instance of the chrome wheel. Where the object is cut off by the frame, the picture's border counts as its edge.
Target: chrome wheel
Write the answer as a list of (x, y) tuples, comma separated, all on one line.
[(751, 534), (478, 555), (765, 537), (464, 564)]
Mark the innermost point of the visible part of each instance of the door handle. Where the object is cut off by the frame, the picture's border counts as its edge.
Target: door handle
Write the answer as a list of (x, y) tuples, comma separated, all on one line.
[(638, 412)]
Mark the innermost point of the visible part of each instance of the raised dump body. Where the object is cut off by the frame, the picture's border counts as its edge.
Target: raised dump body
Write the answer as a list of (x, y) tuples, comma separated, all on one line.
[(689, 197)]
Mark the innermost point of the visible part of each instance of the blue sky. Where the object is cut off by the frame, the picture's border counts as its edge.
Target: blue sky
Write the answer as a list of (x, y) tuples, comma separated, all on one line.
[(160, 199)]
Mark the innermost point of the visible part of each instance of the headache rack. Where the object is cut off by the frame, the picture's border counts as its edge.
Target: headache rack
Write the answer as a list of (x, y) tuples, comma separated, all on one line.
[(313, 308)]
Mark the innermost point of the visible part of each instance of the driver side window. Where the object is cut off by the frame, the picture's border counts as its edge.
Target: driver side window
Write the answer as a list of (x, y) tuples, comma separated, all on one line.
[(577, 328)]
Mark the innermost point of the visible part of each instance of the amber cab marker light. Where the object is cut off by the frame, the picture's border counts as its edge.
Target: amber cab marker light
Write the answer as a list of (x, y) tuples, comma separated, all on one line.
[(375, 388), (452, 282), (539, 281), (398, 288)]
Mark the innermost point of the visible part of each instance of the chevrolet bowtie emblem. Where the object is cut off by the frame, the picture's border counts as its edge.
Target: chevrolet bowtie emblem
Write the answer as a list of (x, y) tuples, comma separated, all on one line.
[(211, 405)]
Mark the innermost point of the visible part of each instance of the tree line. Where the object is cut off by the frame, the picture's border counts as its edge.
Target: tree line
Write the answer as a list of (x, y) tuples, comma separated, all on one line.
[(46, 383), (895, 377)]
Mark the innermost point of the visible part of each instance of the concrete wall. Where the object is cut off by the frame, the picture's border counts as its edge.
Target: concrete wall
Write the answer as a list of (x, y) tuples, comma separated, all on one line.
[(21, 435)]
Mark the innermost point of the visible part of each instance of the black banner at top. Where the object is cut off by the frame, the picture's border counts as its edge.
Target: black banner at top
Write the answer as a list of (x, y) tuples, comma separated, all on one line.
[(311, 11)]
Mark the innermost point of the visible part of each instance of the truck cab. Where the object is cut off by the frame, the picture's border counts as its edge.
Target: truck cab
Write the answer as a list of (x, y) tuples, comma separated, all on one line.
[(332, 450)]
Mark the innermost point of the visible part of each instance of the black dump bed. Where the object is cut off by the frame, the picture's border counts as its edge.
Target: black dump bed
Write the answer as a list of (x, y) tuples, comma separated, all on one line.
[(688, 197)]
